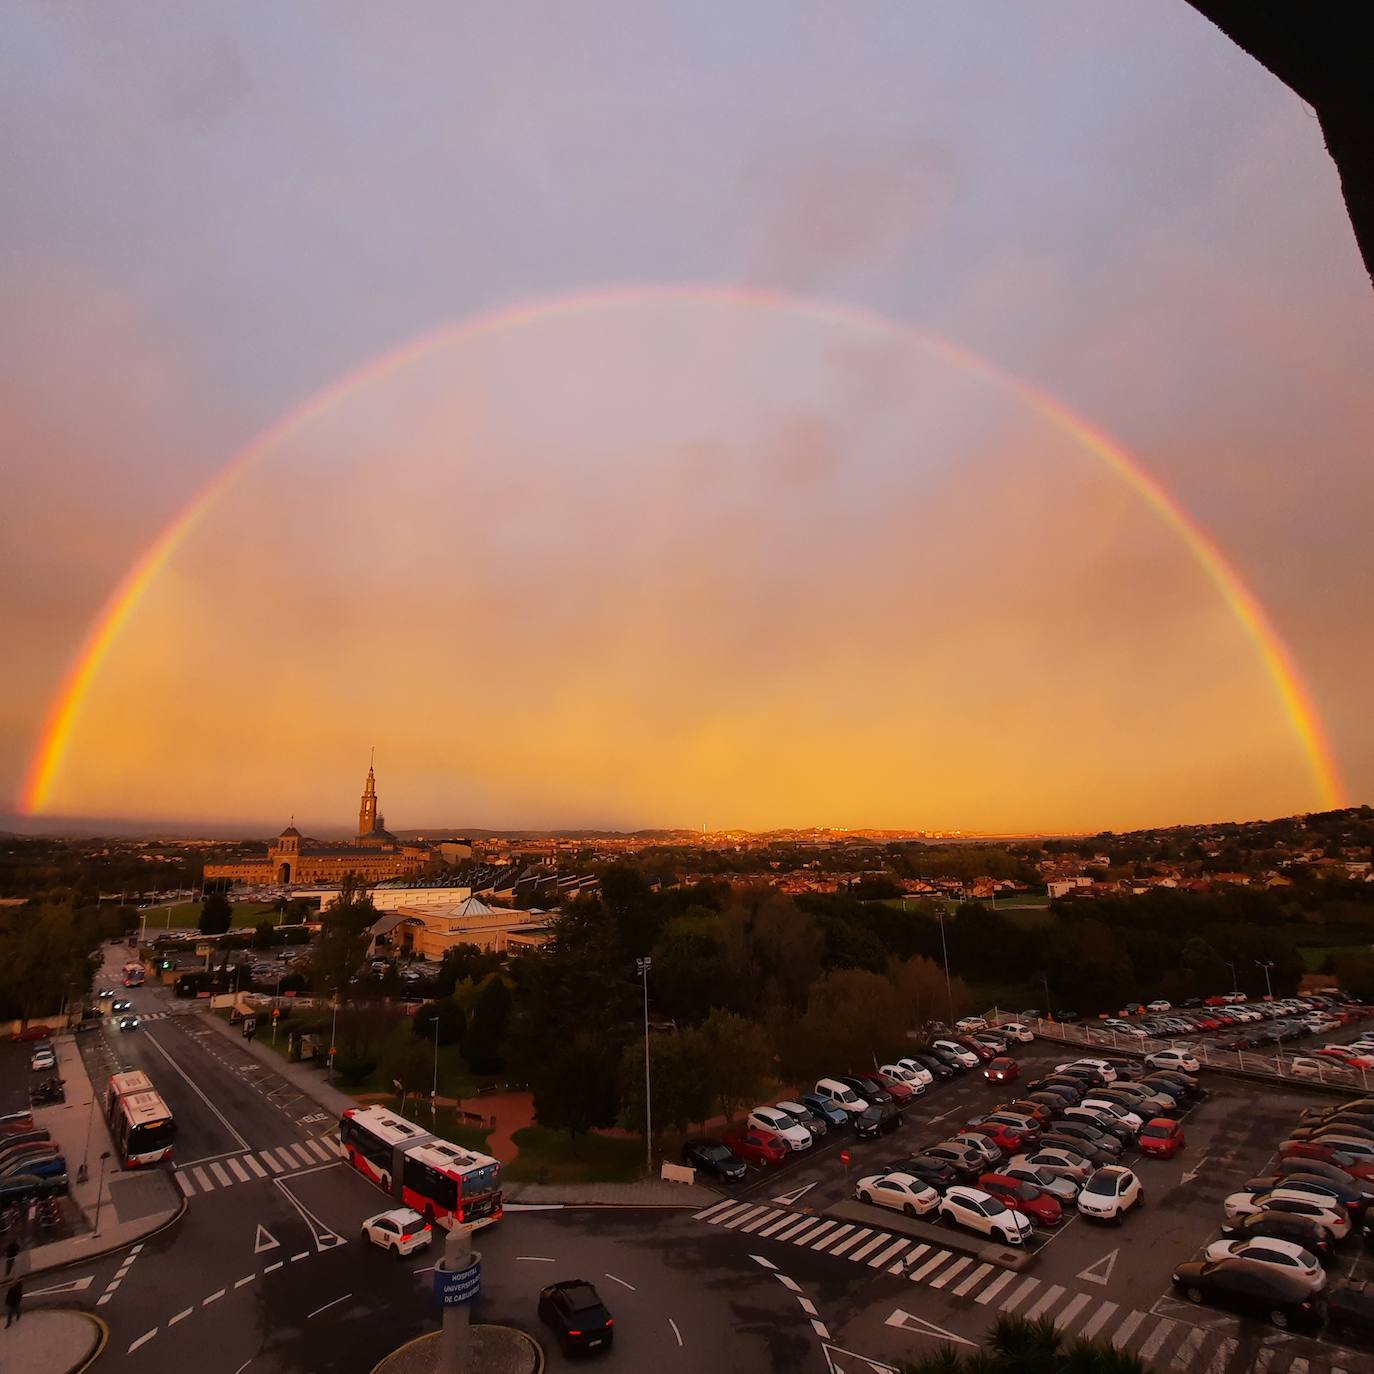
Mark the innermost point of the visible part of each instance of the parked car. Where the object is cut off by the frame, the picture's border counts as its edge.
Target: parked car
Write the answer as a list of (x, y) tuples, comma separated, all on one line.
[(877, 1120), (43, 1059), (1005, 1138), (791, 1132), (1027, 1126), (813, 1122), (1250, 1289), (917, 1078), (971, 1023), (841, 1095), (1302, 1231), (1039, 1204), (574, 1312), (714, 1159), (1329, 1215), (1349, 1194), (1159, 1005), (1174, 1059), (1318, 1168), (902, 1192), (1127, 1117), (867, 1089), (976, 1210), (939, 1069), (1160, 1137), (897, 1088), (938, 1173), (981, 1143), (826, 1109), (1103, 1068), (1115, 1023), (1071, 1132), (1110, 1193), (1284, 1254), (1029, 1107), (400, 1231), (1052, 1160), (756, 1146), (960, 1054), (983, 1053), (966, 1161), (1017, 1030)]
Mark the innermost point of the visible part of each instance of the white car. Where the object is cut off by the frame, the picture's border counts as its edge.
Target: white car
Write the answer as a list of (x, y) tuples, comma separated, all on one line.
[(1016, 1030), (804, 1116), (1105, 1069), (971, 1023), (1333, 1217), (401, 1231), (1286, 1255), (1159, 1005), (976, 1210), (785, 1127), (902, 1192), (979, 1143), (905, 1075), (43, 1058), (918, 1071), (961, 1053), (1127, 1118), (1115, 1023), (1173, 1059), (1110, 1193), (1057, 1163), (837, 1094), (1324, 1069)]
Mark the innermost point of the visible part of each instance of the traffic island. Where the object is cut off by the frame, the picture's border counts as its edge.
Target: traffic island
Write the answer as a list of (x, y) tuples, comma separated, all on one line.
[(52, 1340), (491, 1350)]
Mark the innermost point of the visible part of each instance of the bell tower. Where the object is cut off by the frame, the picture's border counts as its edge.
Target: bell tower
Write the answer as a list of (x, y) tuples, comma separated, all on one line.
[(367, 811)]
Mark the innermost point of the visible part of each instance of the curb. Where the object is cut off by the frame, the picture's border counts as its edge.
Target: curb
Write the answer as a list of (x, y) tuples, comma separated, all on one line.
[(536, 1349), (102, 1339), (164, 1225)]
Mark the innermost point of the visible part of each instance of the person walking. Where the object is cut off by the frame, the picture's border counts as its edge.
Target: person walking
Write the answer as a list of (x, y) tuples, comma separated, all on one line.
[(12, 1300)]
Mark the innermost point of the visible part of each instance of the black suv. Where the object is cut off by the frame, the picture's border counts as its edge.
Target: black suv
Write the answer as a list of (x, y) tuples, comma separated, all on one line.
[(711, 1157), (573, 1310)]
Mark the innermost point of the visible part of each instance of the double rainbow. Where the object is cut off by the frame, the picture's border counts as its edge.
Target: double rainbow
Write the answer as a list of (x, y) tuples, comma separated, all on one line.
[(64, 712)]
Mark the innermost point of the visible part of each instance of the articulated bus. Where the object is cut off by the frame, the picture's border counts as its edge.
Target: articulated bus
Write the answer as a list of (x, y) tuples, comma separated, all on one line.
[(447, 1185), (140, 1123), (133, 975)]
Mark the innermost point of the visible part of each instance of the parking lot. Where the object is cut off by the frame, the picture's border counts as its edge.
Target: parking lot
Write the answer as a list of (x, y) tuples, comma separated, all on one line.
[(1080, 1272)]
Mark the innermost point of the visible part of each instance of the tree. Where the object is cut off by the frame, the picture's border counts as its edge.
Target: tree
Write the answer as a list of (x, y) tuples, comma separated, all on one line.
[(344, 939), (45, 960), (406, 1061), (574, 1083), (216, 914), (855, 1019), (1018, 1346), (925, 994), (740, 1058), (484, 1046), (689, 970), (681, 1074), (453, 1021), (264, 935)]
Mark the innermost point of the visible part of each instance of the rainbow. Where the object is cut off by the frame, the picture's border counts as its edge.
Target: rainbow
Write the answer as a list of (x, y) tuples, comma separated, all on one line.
[(1299, 709)]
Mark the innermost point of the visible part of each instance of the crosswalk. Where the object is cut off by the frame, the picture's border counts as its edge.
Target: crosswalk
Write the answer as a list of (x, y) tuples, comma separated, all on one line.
[(1176, 1344), (210, 1175)]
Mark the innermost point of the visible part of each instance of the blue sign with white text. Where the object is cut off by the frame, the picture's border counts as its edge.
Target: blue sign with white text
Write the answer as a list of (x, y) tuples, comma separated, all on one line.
[(454, 1289)]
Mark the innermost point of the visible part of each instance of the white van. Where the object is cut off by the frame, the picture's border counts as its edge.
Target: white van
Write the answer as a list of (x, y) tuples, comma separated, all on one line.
[(837, 1095)]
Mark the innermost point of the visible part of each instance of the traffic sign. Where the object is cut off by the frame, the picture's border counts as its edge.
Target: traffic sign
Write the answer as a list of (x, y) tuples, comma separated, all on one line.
[(845, 1158), (454, 1289)]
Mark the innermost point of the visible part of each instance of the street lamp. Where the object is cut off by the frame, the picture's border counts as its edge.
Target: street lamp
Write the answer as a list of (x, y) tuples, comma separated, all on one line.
[(1266, 965), (333, 1035), (99, 1193), (434, 1091), (644, 965), (944, 949), (1235, 977)]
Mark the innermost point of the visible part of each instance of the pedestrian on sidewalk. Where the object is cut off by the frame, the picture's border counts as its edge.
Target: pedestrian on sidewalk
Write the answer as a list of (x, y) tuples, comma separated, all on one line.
[(11, 1254), (12, 1300)]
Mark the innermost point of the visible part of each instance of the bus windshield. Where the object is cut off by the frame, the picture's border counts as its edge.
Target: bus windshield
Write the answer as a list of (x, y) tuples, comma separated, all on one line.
[(156, 1135)]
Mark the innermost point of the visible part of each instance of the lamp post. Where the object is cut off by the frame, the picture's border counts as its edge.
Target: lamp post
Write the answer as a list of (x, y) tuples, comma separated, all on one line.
[(1235, 977), (1266, 965), (83, 1173), (944, 950), (99, 1193), (333, 1034), (434, 1091), (644, 965)]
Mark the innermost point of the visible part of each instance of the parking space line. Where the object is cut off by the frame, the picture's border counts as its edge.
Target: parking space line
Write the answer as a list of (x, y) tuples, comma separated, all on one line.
[(829, 1240), (1047, 1300), (853, 1240), (1072, 1310), (883, 1256), (1126, 1330), (995, 1287), (1156, 1338), (968, 1284), (868, 1247), (1023, 1291), (778, 1224), (946, 1274), (1097, 1321)]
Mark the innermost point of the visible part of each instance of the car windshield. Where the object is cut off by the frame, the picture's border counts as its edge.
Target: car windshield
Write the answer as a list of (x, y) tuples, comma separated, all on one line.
[(715, 1152), (1153, 1129), (1102, 1184), (992, 1207), (1027, 1192)]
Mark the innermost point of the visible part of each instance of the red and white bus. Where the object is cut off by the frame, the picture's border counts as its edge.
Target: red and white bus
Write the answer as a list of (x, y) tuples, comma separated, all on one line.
[(133, 975), (443, 1182), (140, 1123)]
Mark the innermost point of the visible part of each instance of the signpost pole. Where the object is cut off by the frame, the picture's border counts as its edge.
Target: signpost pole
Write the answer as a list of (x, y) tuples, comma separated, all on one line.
[(456, 1294)]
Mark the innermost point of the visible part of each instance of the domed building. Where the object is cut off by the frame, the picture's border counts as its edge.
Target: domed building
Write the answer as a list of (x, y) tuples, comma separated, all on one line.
[(296, 859)]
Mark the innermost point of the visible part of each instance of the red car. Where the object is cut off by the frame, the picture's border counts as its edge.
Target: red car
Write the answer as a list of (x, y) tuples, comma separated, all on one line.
[(899, 1091), (1161, 1138), (1035, 1202), (756, 1146), (984, 1052), (1001, 1070), (1217, 1001), (1007, 1140), (1311, 1149)]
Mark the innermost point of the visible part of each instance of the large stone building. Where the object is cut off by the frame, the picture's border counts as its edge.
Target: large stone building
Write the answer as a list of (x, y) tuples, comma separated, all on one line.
[(374, 855)]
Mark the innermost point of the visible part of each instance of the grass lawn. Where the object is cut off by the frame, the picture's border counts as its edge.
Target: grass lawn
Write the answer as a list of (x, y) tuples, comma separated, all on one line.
[(187, 916), (552, 1157), (1314, 956)]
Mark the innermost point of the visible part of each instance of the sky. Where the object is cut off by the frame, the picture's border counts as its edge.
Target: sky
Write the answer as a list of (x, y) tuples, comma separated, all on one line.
[(740, 509)]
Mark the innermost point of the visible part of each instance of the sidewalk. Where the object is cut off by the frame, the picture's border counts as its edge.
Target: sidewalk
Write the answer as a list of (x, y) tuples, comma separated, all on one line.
[(132, 1203), (51, 1340), (310, 1080), (648, 1193)]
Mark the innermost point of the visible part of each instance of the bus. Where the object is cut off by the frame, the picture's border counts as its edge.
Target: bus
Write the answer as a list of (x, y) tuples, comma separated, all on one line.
[(446, 1184), (133, 975), (140, 1123)]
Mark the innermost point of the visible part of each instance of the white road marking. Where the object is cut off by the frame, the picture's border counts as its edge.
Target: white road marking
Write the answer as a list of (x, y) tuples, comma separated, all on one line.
[(1185, 1356), (184, 1184), (944, 1276), (180, 1316), (247, 1279), (1098, 1321), (1223, 1356), (221, 1177), (75, 1286), (676, 1332), (766, 1263), (272, 1268), (747, 1215), (829, 1240), (306, 1156), (1100, 1270), (237, 1170), (327, 1306), (264, 1240), (869, 1246), (1027, 1287), (778, 1224), (1046, 1301), (851, 1240), (195, 1088), (714, 1210), (1126, 1330), (820, 1329), (791, 1199), (142, 1340), (622, 1282), (325, 1238), (1072, 1310), (995, 1287), (243, 1366), (538, 1259), (795, 1227), (305, 1254), (1156, 1338), (807, 1306), (882, 1257), (967, 1285), (203, 1179), (272, 1161), (906, 1322), (932, 1264), (756, 1223), (214, 1297), (323, 1151), (790, 1284), (254, 1167)]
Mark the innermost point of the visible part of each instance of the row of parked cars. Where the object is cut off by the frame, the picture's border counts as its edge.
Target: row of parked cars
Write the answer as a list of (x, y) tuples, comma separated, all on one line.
[(868, 1105), (1029, 1160), (1282, 1231), (32, 1164)]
